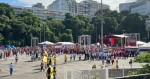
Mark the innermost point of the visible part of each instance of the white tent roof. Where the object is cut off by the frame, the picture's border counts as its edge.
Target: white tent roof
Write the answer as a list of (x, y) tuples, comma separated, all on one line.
[(145, 46), (65, 43), (121, 36), (47, 42), (41, 43), (140, 43)]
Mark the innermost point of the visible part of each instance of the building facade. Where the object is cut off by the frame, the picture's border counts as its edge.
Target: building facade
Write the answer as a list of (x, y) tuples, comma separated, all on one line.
[(85, 7), (141, 7), (42, 13), (59, 5), (125, 7), (38, 5), (58, 8), (89, 8)]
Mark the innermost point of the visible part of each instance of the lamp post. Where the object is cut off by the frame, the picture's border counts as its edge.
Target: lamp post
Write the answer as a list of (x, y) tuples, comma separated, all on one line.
[(96, 33), (54, 30), (40, 35), (124, 37), (102, 25), (44, 30)]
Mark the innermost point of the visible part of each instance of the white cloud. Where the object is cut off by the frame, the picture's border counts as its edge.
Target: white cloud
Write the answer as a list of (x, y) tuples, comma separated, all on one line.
[(114, 4)]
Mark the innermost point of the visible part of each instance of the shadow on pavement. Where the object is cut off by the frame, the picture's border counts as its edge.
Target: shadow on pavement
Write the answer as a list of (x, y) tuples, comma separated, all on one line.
[(4, 76), (36, 72), (37, 69), (28, 61), (36, 66)]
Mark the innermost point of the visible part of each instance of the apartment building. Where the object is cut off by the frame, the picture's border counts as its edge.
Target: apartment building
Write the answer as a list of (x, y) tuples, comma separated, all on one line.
[(141, 7), (38, 5), (58, 8)]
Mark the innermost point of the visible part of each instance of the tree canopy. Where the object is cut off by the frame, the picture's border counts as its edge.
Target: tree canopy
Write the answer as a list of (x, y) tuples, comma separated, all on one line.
[(17, 28)]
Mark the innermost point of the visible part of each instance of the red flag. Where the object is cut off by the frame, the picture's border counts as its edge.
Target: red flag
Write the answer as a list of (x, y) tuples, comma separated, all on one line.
[(112, 41)]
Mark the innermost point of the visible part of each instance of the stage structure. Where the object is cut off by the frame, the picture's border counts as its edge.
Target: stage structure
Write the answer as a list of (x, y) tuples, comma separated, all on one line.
[(84, 40), (34, 41), (126, 39)]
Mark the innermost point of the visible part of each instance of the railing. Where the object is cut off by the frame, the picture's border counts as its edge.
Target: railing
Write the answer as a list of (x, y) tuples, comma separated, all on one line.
[(75, 74)]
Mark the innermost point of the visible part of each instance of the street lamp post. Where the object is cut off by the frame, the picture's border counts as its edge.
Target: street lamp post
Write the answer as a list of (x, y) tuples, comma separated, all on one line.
[(44, 30), (96, 32), (54, 30), (124, 37), (102, 25), (40, 35)]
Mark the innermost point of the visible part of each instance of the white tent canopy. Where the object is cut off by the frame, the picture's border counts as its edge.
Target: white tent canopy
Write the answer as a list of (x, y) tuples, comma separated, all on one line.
[(47, 43), (65, 43), (145, 46), (140, 43)]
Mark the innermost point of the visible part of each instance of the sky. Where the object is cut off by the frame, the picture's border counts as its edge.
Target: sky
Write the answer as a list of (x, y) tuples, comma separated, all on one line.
[(114, 4)]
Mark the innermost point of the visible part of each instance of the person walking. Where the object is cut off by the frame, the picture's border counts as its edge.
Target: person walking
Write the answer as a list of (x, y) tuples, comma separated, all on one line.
[(16, 59), (65, 59), (48, 73), (70, 57), (50, 61), (54, 72), (55, 60), (42, 66), (11, 66), (74, 56), (80, 57), (130, 62), (117, 60)]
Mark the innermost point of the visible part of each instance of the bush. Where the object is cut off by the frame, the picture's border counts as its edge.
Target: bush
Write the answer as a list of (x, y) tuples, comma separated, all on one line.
[(144, 70), (143, 58)]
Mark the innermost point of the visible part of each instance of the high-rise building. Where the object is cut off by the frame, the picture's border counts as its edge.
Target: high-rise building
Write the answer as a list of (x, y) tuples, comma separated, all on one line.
[(89, 7), (124, 7), (59, 8), (80, 8), (85, 7), (38, 5), (141, 7), (59, 5), (42, 13), (72, 7)]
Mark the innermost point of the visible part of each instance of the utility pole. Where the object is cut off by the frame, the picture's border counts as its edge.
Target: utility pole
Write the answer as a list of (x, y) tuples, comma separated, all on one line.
[(44, 33), (102, 25), (40, 35), (96, 33)]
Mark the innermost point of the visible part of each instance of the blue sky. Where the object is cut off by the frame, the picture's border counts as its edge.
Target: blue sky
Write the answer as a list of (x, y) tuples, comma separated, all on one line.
[(114, 4), (14, 2)]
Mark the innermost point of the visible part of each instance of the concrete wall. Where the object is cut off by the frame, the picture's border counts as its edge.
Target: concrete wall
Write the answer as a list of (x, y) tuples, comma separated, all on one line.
[(119, 72)]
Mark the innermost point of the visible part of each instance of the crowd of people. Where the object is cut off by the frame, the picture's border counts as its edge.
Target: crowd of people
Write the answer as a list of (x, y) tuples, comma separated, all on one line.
[(48, 56)]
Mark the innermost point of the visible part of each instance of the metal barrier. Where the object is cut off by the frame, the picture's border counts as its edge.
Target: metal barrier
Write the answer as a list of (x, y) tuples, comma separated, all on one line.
[(76, 74)]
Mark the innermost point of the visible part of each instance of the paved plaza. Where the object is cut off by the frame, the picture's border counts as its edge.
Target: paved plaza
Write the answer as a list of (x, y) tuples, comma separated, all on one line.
[(25, 69)]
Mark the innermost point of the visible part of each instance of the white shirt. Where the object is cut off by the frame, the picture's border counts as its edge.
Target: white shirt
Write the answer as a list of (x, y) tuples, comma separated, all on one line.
[(11, 66)]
